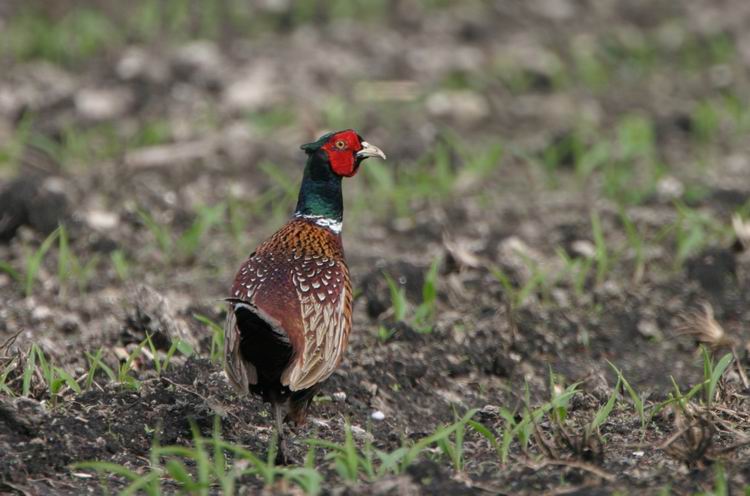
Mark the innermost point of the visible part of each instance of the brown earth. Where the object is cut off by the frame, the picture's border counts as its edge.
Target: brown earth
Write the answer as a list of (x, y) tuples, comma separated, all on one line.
[(410, 83)]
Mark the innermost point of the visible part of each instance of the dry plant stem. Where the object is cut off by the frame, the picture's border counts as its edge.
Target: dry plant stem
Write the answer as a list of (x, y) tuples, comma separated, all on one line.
[(7, 344), (725, 424), (565, 436), (638, 274), (587, 467), (740, 368), (741, 416), (696, 437), (568, 490), (733, 447), (546, 447), (671, 439)]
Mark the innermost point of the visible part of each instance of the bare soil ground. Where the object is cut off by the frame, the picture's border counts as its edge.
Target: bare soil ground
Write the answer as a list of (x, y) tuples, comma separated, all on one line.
[(132, 147)]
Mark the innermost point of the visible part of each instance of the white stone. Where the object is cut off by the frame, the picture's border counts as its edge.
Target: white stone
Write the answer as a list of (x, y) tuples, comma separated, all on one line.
[(101, 219), (254, 90), (462, 105), (102, 104)]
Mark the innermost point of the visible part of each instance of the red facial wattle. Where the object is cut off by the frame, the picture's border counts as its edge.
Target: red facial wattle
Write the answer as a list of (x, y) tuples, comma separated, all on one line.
[(343, 163), (341, 149)]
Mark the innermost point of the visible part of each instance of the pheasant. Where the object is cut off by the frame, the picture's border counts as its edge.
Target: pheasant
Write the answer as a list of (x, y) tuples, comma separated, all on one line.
[(291, 302)]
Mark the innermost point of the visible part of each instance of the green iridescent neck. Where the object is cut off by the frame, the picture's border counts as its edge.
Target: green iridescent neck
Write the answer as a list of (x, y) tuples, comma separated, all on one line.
[(320, 194)]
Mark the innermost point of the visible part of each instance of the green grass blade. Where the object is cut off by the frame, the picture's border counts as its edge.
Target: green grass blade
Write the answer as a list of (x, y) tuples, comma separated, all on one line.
[(716, 374), (34, 262), (398, 298), (603, 414)]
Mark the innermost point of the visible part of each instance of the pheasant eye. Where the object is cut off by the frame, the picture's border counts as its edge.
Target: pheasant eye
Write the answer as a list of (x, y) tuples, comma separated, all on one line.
[(340, 144)]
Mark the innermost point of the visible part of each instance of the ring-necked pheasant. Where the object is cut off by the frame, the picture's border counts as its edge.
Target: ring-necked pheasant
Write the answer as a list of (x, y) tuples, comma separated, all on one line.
[(291, 301)]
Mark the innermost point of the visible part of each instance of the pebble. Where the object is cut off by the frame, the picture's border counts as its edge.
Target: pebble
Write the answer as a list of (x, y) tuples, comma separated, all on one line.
[(339, 396), (252, 91), (649, 328), (465, 106), (98, 104), (40, 313), (137, 63), (102, 220), (360, 433), (583, 248), (491, 410), (669, 188), (200, 61), (378, 415)]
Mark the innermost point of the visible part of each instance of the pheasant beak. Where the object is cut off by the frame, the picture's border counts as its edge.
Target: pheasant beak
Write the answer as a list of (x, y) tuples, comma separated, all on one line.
[(369, 150)]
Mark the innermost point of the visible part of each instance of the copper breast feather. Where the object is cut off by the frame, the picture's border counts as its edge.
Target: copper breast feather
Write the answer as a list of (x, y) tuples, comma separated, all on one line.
[(298, 283)]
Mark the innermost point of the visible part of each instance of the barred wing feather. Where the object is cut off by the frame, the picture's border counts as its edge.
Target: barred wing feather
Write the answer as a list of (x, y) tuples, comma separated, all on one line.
[(325, 296)]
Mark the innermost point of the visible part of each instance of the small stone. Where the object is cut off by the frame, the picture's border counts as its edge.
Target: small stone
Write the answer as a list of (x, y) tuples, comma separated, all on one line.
[(237, 141), (40, 313), (372, 389), (137, 63), (649, 329), (252, 91), (490, 410), (101, 220), (737, 163), (339, 396), (361, 434), (274, 6), (556, 10), (583, 248), (741, 231), (98, 104), (200, 61), (462, 105), (669, 188), (320, 423), (378, 415), (561, 297)]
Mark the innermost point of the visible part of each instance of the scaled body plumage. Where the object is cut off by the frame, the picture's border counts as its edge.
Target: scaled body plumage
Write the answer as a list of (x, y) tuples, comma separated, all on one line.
[(291, 302), (297, 283)]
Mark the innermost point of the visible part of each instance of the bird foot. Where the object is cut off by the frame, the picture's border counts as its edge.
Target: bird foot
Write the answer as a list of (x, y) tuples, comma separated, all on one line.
[(283, 459), (282, 454)]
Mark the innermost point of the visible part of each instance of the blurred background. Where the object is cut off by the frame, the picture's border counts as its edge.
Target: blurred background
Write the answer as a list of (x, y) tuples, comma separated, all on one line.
[(568, 182), (169, 114), (626, 99)]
